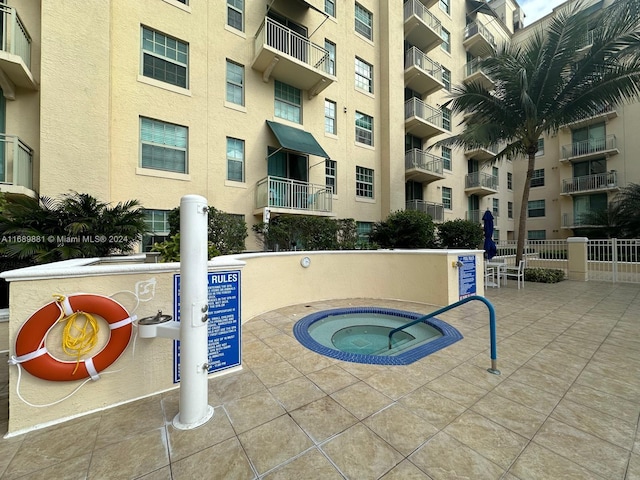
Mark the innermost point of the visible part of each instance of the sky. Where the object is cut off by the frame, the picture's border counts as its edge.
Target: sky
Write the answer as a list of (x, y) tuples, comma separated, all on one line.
[(535, 9)]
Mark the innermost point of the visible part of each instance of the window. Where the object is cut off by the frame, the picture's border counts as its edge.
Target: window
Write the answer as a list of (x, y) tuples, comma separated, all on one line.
[(364, 128), (163, 145), (235, 83), (536, 235), (364, 75), (330, 7), (446, 118), (446, 158), (364, 182), (446, 40), (235, 14), (495, 172), (364, 22), (330, 167), (157, 223), (235, 159), (509, 209), (331, 48), (330, 116), (496, 207), (509, 181), (364, 229), (446, 198), (445, 7), (540, 151), (164, 58), (535, 208), (446, 79), (496, 235), (288, 102), (537, 179)]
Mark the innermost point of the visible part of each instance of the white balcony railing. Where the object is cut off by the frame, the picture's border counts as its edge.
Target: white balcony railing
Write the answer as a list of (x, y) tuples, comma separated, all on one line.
[(417, 8), (477, 27), (587, 147), (15, 37), (416, 57), (481, 179), (598, 181), (414, 107), (416, 158), (16, 162), (293, 44), (473, 67), (435, 210), (276, 192)]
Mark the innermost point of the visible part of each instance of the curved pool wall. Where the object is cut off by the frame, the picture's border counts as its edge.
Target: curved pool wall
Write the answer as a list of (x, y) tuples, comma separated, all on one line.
[(269, 281), (450, 335)]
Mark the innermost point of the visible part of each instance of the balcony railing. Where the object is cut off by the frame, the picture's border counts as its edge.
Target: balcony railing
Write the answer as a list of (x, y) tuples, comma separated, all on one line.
[(598, 181), (435, 210), (417, 58), (15, 37), (293, 44), (477, 27), (416, 158), (414, 107), (587, 147), (570, 220), (473, 67), (481, 179), (417, 8), (16, 159), (276, 192)]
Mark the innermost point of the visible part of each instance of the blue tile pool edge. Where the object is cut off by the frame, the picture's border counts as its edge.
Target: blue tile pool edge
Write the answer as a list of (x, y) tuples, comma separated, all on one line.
[(450, 335)]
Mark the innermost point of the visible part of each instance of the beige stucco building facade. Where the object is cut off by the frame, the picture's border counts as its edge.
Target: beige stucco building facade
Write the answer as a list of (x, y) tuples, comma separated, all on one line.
[(283, 106)]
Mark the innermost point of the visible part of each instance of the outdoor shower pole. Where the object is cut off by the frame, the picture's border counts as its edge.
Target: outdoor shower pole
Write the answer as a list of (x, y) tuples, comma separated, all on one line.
[(194, 305)]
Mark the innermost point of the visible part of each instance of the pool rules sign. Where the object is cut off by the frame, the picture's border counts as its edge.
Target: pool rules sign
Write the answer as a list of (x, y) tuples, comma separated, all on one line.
[(223, 321)]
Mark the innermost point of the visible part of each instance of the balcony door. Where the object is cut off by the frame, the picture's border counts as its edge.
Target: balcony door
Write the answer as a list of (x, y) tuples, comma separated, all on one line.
[(288, 165), (288, 36), (591, 138), (585, 204)]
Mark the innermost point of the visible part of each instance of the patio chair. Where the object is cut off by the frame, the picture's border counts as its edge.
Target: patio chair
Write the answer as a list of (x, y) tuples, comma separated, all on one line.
[(514, 272)]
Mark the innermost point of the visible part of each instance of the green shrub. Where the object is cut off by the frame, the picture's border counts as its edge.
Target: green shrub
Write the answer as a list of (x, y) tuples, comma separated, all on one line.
[(170, 249), (460, 234), (405, 229), (543, 275)]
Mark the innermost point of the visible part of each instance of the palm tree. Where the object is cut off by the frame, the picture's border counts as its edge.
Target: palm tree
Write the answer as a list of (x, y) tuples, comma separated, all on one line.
[(550, 80), (621, 219)]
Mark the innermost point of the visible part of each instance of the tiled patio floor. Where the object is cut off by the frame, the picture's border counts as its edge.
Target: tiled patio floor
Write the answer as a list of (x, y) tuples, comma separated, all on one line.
[(565, 407)]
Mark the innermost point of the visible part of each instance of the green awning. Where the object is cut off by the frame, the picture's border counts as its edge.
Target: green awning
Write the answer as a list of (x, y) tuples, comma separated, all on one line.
[(297, 140), (480, 7)]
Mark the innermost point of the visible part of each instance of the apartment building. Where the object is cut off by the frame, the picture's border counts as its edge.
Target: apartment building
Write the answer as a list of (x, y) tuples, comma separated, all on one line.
[(265, 107)]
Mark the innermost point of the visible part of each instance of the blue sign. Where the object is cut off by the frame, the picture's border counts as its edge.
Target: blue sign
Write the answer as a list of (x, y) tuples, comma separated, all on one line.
[(466, 276), (224, 321)]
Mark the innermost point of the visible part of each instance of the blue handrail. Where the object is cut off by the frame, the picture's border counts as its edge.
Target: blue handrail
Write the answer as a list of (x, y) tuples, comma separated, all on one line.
[(492, 326)]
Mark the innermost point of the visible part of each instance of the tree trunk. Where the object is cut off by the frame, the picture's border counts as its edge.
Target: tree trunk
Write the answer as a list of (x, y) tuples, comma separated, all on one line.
[(522, 221)]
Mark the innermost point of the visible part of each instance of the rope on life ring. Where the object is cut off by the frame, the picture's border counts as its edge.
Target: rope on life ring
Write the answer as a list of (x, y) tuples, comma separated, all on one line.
[(31, 351)]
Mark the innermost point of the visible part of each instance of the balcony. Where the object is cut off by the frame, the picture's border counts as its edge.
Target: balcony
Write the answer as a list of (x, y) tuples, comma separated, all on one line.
[(475, 216), (478, 41), (435, 210), (474, 74), (422, 167), (422, 120), (482, 153), (285, 195), (607, 113), (421, 27), (602, 182), (291, 58), (589, 149), (15, 54), (421, 73), (16, 166), (572, 221), (480, 184)]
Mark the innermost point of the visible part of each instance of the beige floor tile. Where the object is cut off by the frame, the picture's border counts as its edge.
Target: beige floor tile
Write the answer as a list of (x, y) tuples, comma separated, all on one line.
[(249, 412), (557, 363), (623, 370), (261, 328), (183, 443), (8, 448), (296, 393), (394, 383), (529, 396), (276, 373), (597, 423), (332, 378), (478, 376), (360, 454), (274, 442), (286, 345), (133, 457), (537, 379), (460, 391), (236, 385), (583, 448), (258, 354), (633, 471), (71, 469), (312, 465), (445, 458), (362, 371), (406, 470), (400, 428), (163, 473), (227, 460), (433, 407), (310, 362), (492, 441), (539, 463), (610, 385), (361, 400), (130, 419), (48, 447), (323, 419), (514, 416)]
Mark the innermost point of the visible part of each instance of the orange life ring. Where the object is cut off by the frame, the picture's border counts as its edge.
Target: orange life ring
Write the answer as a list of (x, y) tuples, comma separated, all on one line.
[(32, 353)]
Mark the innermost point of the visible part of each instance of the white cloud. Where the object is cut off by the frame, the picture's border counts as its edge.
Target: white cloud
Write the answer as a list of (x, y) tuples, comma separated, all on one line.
[(536, 9)]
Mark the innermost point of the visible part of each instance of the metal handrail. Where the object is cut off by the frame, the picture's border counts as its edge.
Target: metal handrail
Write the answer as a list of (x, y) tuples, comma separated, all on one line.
[(492, 326)]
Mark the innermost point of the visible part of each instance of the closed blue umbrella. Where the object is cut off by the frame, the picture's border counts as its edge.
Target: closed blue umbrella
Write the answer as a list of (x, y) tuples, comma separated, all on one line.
[(490, 248)]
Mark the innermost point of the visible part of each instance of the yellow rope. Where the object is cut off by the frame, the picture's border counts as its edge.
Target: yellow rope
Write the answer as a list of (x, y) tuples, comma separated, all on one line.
[(78, 338)]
